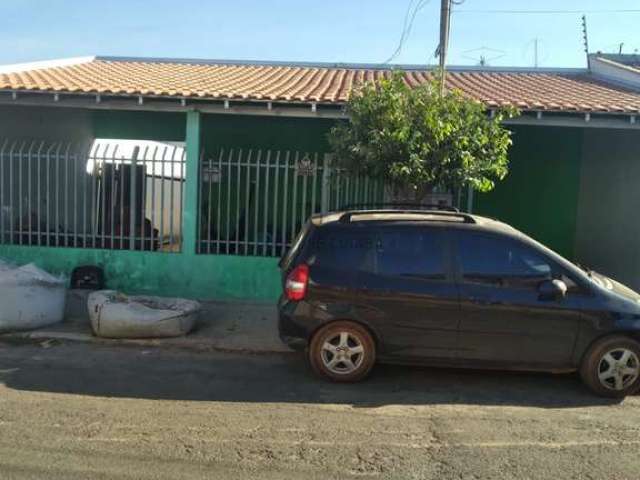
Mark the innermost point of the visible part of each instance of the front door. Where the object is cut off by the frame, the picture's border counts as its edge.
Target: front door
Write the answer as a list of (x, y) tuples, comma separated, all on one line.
[(504, 320), (410, 294)]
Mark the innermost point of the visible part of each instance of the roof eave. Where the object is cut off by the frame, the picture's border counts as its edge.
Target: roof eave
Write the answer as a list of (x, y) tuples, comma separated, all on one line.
[(108, 101), (307, 109)]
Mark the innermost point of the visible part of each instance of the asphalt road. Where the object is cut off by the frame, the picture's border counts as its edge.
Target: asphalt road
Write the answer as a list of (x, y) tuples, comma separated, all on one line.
[(85, 411)]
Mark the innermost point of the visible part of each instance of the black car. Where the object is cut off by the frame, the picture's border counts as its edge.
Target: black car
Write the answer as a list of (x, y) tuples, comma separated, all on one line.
[(451, 289)]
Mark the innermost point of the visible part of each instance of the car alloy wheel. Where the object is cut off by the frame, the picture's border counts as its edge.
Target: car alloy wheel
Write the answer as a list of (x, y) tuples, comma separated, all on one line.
[(618, 369), (342, 353)]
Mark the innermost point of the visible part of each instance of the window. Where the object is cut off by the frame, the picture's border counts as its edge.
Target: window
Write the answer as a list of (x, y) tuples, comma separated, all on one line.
[(344, 248), (502, 262), (410, 252), (295, 247), (396, 252)]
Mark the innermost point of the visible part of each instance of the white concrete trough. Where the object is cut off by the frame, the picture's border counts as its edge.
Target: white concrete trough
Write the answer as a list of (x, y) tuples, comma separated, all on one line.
[(29, 298), (115, 315)]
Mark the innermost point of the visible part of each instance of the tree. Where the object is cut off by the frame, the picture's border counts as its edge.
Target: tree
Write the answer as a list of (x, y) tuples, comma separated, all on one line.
[(417, 140)]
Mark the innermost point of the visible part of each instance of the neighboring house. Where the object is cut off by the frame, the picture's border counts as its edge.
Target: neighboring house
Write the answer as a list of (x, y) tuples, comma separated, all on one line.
[(210, 220)]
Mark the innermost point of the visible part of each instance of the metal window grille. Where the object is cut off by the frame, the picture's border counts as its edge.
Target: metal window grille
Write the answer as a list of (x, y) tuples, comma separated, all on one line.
[(253, 202), (66, 195), (346, 191)]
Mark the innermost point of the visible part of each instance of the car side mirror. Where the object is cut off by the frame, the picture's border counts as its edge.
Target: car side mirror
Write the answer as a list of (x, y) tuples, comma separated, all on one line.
[(551, 290)]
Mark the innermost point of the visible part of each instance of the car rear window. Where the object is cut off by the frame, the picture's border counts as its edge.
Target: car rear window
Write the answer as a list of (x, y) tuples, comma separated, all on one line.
[(397, 252), (295, 246), (344, 248)]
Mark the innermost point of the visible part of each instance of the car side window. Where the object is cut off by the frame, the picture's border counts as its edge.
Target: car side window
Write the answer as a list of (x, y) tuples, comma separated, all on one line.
[(346, 249), (410, 253), (502, 262)]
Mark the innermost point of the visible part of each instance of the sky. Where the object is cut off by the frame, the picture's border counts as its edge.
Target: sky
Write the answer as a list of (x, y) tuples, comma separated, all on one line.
[(350, 31)]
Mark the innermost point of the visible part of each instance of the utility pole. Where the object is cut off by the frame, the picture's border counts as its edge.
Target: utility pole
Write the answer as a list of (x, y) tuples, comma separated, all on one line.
[(445, 17), (535, 53), (585, 39)]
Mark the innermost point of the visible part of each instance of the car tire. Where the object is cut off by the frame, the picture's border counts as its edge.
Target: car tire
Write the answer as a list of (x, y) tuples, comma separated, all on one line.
[(611, 367), (342, 352)]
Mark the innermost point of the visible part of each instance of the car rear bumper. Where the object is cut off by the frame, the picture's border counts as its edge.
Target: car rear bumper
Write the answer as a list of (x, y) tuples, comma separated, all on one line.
[(294, 343), (290, 335), (294, 329)]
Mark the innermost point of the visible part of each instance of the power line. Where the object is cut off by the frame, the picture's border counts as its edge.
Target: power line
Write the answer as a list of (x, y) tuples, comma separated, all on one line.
[(407, 25), (403, 35), (544, 12)]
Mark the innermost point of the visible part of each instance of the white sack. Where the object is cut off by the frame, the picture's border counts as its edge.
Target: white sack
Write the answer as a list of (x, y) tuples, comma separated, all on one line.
[(114, 315), (29, 297)]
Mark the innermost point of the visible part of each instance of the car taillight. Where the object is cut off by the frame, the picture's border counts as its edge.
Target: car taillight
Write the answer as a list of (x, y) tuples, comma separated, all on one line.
[(295, 288)]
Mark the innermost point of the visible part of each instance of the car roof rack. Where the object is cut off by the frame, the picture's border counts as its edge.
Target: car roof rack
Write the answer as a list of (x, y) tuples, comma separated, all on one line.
[(401, 206), (465, 217)]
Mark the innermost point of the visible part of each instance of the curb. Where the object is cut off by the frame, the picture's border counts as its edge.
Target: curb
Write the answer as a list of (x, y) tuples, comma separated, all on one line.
[(194, 346)]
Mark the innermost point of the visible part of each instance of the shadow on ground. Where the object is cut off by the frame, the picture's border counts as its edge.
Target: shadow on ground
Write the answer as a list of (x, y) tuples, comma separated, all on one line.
[(129, 372)]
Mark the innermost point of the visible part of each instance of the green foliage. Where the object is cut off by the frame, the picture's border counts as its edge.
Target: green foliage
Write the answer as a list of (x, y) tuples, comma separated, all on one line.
[(416, 139)]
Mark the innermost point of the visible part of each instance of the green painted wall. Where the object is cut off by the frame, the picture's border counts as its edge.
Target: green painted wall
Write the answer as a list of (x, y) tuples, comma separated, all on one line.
[(186, 274), (158, 126), (251, 134), (190, 207), (207, 277), (42, 123), (540, 194), (540, 197), (237, 131), (283, 133), (210, 277), (608, 226)]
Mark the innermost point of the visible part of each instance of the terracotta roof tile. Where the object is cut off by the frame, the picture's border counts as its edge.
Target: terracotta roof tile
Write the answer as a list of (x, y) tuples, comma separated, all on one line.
[(528, 90)]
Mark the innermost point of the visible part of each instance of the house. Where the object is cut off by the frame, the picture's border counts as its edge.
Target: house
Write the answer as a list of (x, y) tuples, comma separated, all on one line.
[(227, 159)]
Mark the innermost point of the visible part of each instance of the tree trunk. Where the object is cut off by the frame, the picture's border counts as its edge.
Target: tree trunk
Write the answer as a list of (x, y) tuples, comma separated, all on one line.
[(410, 195), (422, 192)]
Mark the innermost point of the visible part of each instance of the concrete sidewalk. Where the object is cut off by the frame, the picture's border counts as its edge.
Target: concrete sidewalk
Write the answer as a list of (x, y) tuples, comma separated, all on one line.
[(223, 326)]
